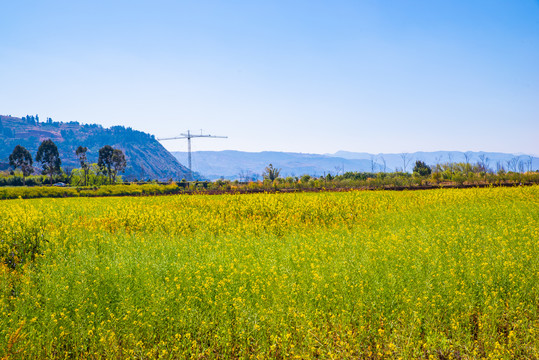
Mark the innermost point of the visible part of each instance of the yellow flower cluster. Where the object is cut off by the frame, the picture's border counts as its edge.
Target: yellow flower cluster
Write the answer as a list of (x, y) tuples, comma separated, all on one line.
[(441, 273)]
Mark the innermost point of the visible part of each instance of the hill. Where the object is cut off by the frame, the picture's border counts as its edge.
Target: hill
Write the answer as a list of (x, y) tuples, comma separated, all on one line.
[(250, 165), (146, 157)]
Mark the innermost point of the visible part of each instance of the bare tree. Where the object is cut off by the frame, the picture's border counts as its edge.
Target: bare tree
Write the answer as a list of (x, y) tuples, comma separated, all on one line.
[(383, 162), (81, 154), (405, 161), (521, 167), (499, 167), (242, 175), (437, 159), (467, 156), (512, 164), (338, 169), (483, 162)]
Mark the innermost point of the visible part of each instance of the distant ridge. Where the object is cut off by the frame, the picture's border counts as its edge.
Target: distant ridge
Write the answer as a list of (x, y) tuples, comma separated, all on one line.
[(146, 157), (231, 164), (493, 160)]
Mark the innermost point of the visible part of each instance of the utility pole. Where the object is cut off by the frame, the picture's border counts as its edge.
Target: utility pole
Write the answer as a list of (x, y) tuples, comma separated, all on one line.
[(189, 136)]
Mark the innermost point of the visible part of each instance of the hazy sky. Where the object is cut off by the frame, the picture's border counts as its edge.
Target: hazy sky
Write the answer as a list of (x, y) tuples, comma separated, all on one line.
[(303, 76)]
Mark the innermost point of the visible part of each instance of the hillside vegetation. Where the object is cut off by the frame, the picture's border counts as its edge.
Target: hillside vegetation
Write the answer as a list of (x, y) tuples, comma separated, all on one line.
[(146, 157)]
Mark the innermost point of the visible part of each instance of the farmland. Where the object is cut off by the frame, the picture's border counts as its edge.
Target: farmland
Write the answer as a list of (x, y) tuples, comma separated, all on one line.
[(447, 273)]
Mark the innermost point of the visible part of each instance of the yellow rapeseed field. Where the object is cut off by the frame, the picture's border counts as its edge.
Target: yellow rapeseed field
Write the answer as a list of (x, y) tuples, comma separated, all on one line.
[(420, 274)]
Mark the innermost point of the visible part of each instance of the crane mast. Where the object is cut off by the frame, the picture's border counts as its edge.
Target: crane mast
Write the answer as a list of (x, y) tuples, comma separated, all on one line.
[(189, 136)]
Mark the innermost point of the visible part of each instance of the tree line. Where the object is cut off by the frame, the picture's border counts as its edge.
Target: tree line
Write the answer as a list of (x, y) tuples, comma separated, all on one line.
[(464, 173), (110, 162)]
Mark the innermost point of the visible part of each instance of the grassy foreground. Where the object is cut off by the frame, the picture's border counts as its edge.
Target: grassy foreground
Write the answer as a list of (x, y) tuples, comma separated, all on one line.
[(432, 274)]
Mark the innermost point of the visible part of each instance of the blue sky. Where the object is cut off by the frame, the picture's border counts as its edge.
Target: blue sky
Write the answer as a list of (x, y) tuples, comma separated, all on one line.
[(303, 76)]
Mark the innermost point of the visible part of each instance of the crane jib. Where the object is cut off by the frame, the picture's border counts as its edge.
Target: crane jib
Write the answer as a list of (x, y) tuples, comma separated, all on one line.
[(189, 136)]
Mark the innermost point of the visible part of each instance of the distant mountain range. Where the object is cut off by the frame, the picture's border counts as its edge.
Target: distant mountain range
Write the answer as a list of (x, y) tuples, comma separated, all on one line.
[(146, 157), (231, 164), (492, 160)]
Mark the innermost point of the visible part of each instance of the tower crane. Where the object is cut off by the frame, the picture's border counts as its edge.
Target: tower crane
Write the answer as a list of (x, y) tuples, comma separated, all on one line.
[(189, 136)]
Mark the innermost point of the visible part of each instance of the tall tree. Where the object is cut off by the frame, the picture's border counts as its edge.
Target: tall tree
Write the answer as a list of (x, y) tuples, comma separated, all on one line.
[(373, 163), (81, 154), (383, 162), (271, 173), (48, 156), (104, 160), (118, 163), (21, 158)]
